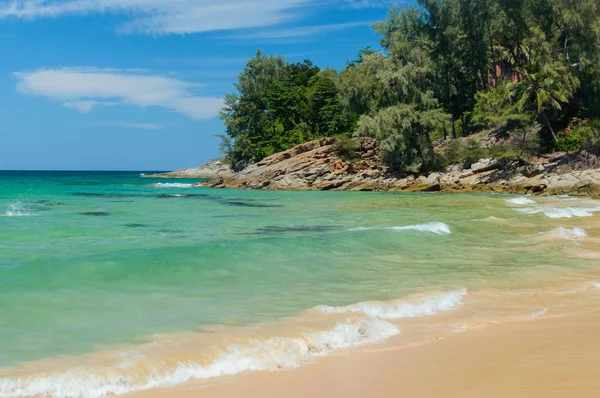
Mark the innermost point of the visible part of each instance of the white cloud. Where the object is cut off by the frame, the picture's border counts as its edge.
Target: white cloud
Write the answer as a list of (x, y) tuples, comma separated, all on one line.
[(133, 125), (84, 89), (301, 31), (166, 16)]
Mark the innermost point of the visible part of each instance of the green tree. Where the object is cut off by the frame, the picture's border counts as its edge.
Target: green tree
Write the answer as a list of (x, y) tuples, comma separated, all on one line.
[(544, 91)]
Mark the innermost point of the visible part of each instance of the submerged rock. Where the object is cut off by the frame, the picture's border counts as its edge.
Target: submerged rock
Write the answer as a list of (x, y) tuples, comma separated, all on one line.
[(95, 213)]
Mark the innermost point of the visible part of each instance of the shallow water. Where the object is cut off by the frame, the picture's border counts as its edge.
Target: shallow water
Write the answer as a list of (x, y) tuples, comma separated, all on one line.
[(110, 283)]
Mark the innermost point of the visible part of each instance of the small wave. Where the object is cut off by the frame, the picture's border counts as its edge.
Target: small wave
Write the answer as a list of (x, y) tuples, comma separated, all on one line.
[(522, 201), (427, 306), (271, 355), (438, 228), (566, 212), (172, 185), (17, 209), (540, 313), (567, 234), (580, 289)]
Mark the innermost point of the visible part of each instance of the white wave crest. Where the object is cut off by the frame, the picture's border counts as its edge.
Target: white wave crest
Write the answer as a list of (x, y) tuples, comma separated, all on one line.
[(566, 212), (427, 306), (567, 234), (540, 313), (522, 201), (172, 185), (17, 209), (269, 355), (438, 228), (580, 289)]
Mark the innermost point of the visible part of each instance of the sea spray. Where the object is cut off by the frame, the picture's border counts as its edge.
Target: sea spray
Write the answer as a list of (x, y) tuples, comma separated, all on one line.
[(270, 355), (17, 209)]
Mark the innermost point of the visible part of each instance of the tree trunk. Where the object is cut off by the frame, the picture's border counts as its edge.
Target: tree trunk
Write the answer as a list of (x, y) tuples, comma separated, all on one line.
[(549, 126)]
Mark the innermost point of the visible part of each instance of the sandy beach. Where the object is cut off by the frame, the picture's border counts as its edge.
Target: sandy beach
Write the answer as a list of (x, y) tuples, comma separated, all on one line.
[(546, 357)]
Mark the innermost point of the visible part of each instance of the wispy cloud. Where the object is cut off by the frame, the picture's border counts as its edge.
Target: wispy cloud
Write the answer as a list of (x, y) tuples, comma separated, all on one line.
[(166, 16), (181, 16), (301, 31), (133, 125), (84, 89)]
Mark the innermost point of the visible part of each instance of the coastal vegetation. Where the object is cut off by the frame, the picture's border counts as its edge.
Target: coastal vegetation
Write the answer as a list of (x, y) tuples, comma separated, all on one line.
[(447, 70)]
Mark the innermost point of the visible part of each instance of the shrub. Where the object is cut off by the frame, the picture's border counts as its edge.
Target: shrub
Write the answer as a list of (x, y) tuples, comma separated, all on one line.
[(472, 152), (347, 149), (570, 143), (453, 152), (591, 135), (504, 153)]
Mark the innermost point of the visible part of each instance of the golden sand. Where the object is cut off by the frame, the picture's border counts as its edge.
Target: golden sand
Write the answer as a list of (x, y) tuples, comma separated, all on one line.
[(552, 357)]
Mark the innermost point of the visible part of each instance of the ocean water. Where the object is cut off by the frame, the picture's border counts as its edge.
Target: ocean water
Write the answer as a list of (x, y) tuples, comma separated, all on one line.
[(111, 283)]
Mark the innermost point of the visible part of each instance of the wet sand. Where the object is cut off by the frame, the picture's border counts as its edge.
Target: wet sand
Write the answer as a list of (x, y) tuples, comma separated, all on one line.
[(545, 357)]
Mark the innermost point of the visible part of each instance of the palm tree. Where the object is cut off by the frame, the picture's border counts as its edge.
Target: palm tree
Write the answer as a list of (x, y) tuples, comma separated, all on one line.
[(545, 90)]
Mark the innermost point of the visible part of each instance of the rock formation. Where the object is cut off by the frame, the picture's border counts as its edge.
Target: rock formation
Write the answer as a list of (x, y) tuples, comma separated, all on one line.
[(316, 166)]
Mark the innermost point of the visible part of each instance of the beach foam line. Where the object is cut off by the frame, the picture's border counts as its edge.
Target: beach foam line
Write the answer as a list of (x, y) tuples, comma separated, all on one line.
[(270, 355), (580, 289), (425, 306), (438, 228), (172, 185)]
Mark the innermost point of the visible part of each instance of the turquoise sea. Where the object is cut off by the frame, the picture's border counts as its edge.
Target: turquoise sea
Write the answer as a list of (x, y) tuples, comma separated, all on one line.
[(112, 283)]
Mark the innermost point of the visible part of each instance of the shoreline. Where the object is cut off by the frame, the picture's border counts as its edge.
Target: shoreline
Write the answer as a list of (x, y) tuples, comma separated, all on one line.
[(555, 356)]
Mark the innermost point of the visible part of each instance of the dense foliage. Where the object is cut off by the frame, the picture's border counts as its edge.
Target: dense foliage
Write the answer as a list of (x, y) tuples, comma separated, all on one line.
[(447, 69), (279, 105)]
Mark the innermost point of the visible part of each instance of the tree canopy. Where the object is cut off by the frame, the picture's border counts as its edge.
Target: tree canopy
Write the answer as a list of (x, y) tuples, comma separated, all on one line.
[(446, 68)]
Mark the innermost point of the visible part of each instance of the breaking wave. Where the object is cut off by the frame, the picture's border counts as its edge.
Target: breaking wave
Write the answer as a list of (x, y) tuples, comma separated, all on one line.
[(426, 306), (438, 228), (270, 355), (586, 209), (172, 185), (520, 201), (567, 234), (17, 209), (565, 212)]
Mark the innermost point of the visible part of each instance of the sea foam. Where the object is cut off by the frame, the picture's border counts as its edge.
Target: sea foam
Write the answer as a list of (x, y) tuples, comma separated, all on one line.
[(564, 212), (173, 185), (520, 201), (438, 228), (17, 209), (426, 306), (528, 206), (567, 234), (270, 355)]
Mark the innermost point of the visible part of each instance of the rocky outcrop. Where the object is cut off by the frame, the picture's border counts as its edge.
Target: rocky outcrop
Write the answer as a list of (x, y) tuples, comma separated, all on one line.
[(214, 169), (310, 166), (315, 165)]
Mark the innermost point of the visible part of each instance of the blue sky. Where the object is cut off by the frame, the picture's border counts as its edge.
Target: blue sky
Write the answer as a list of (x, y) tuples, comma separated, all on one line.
[(137, 84)]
